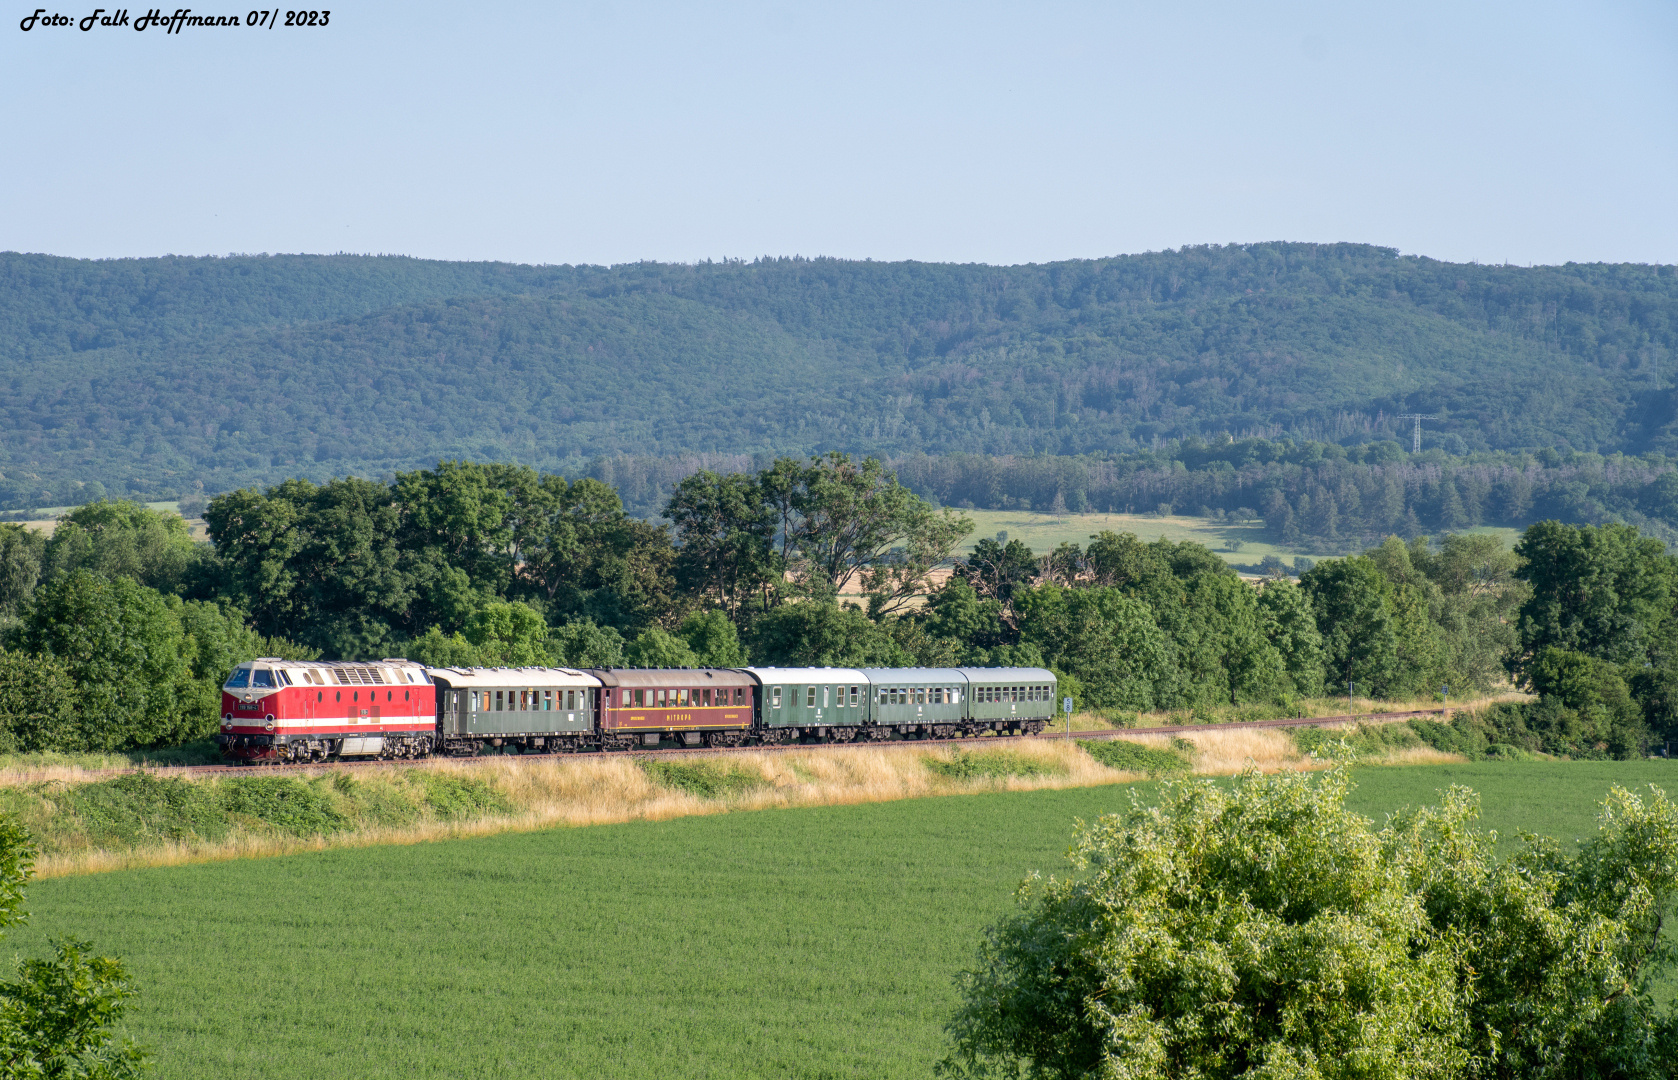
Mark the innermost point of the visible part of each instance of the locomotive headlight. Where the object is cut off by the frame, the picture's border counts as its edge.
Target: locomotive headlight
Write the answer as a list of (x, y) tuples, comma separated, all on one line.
[(269, 723), (227, 720)]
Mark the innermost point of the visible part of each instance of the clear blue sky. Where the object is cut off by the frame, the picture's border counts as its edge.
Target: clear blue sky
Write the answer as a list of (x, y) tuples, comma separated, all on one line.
[(607, 132)]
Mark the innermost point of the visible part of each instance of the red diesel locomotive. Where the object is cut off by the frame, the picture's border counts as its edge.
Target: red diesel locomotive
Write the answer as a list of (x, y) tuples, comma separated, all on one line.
[(309, 710)]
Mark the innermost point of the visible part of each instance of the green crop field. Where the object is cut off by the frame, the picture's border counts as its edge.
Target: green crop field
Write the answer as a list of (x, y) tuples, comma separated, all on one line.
[(1042, 532), (794, 943)]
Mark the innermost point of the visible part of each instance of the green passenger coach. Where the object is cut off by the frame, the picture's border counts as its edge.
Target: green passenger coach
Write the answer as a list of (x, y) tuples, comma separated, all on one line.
[(1011, 694), (830, 704)]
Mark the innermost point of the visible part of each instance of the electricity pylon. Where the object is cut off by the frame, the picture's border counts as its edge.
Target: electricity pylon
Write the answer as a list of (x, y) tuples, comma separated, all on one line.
[(1416, 439)]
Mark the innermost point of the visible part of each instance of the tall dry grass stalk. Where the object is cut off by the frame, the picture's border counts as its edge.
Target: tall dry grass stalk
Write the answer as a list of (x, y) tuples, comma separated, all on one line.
[(564, 792)]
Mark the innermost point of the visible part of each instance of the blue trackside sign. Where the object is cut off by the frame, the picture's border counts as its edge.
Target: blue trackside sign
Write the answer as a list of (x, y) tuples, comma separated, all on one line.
[(1066, 705)]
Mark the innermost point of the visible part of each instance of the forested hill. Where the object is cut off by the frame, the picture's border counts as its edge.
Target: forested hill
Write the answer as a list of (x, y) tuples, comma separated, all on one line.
[(152, 376)]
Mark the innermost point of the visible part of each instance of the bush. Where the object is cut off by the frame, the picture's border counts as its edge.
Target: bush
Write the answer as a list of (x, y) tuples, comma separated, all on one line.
[(1364, 740), (705, 779), (37, 704), (1263, 930), (990, 765), (452, 796), (1127, 756), (295, 806), (56, 1017), (130, 810)]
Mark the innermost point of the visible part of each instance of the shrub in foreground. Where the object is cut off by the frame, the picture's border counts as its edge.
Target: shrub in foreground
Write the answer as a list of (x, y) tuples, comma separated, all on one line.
[(56, 1016), (1263, 930)]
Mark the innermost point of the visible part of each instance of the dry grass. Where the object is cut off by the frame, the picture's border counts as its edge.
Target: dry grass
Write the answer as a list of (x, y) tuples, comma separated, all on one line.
[(550, 792)]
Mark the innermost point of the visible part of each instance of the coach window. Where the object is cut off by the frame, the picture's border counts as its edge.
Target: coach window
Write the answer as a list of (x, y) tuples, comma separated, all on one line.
[(775, 698), (809, 697)]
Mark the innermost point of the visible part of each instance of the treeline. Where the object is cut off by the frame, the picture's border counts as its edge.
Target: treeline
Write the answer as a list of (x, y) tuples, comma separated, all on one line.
[(148, 375), (1320, 496), (119, 628)]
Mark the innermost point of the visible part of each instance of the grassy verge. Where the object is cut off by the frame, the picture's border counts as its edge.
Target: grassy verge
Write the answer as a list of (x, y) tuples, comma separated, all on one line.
[(820, 942), (161, 818)]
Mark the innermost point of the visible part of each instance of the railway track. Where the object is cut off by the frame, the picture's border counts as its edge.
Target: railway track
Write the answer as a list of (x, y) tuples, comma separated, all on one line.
[(1116, 733)]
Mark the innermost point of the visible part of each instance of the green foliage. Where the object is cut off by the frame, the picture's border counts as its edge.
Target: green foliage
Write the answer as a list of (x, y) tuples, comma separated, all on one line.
[(657, 648), (703, 779), (1109, 641), (457, 796), (125, 539), (582, 644), (21, 552), (299, 807), (725, 529), (720, 938), (1603, 591), (989, 765), (132, 810), (884, 358), (1127, 756), (1266, 930), (38, 703), (1292, 629), (508, 635), (1354, 605), (437, 649), (128, 654), (815, 634), (714, 640), (1357, 741), (354, 567), (146, 669), (56, 1016)]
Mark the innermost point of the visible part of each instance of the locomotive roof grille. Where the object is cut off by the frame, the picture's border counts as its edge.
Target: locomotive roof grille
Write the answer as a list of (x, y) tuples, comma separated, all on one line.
[(357, 675)]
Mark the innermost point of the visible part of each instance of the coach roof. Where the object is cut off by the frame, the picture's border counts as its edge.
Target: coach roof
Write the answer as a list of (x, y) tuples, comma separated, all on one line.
[(802, 675), (521, 676), (671, 677), (887, 676), (1007, 674)]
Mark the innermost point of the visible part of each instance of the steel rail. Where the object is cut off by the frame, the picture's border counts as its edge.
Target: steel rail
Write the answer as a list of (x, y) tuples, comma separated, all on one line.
[(688, 751)]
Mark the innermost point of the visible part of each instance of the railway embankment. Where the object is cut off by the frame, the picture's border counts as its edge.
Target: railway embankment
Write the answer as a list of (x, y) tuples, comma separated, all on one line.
[(88, 823)]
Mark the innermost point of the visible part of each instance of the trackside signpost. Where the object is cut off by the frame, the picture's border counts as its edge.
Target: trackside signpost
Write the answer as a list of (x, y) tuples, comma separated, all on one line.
[(1066, 707)]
